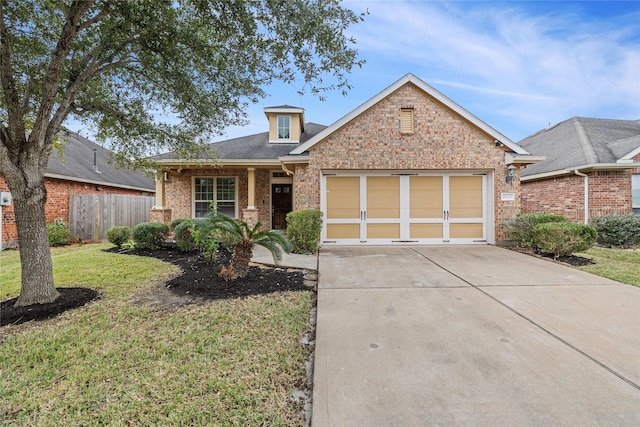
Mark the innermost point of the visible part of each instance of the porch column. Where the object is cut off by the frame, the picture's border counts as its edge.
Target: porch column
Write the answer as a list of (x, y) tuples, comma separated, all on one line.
[(250, 214), (251, 188), (158, 212)]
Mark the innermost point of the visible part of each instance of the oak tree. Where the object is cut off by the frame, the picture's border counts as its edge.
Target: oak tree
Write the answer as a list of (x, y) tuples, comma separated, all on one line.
[(145, 74)]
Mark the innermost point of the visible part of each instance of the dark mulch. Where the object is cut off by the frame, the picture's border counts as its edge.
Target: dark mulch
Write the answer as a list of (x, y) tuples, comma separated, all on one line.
[(69, 298), (199, 282), (574, 260)]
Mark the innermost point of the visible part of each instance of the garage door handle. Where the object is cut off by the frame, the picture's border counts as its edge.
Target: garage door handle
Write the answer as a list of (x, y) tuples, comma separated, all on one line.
[(363, 215), (445, 215)]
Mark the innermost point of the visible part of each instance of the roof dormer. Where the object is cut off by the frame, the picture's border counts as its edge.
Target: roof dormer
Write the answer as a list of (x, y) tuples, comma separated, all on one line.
[(286, 124)]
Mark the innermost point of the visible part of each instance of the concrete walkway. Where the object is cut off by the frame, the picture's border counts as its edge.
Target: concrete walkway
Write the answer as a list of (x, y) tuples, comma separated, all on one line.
[(471, 335)]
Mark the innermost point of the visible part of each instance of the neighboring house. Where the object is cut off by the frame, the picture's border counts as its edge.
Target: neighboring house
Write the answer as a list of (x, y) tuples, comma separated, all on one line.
[(592, 168), (84, 168), (407, 166)]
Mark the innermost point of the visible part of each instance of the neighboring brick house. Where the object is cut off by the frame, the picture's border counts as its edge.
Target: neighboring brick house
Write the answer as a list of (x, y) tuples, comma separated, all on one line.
[(83, 168), (407, 166), (592, 168)]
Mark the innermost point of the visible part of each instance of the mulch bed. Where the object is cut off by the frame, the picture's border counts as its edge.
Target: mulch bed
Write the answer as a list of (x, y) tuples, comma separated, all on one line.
[(199, 282), (574, 260)]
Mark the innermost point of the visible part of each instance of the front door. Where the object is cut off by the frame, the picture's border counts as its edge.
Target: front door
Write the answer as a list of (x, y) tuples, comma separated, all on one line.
[(281, 204)]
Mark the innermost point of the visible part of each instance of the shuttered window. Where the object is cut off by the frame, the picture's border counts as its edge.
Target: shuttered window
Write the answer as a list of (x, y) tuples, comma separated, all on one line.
[(406, 120)]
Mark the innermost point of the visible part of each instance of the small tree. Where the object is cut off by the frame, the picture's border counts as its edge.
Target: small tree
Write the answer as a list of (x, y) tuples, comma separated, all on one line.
[(247, 237)]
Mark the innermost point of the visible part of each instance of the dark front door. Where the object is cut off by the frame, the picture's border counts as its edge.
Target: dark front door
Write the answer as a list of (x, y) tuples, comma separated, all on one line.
[(281, 205)]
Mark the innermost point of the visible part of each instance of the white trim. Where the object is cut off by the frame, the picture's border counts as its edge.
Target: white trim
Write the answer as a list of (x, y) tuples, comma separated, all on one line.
[(410, 78), (184, 164), (514, 159), (584, 168), (631, 155), (94, 182)]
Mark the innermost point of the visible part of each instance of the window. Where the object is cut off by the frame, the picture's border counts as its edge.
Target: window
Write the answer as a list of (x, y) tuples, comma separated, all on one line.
[(635, 193), (220, 189), (406, 120), (284, 127)]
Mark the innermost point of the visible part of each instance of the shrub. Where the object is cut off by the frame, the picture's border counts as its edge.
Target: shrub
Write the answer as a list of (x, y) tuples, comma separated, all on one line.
[(618, 230), (119, 235), (184, 233), (564, 238), (303, 230), (58, 233), (150, 235), (520, 228), (174, 223)]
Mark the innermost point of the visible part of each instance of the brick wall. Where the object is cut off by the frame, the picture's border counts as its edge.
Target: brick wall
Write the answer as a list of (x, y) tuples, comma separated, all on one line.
[(57, 205), (609, 192), (442, 141)]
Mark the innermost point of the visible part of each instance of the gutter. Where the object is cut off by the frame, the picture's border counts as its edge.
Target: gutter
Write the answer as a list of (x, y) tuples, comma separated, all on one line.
[(586, 194)]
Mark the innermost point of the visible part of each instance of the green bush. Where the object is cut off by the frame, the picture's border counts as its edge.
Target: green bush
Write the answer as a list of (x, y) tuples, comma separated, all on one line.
[(563, 238), (618, 230), (119, 235), (520, 228), (150, 235), (183, 233), (303, 230), (58, 233), (174, 223)]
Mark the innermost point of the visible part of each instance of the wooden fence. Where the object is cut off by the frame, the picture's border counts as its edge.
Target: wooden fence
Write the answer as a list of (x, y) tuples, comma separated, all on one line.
[(91, 215)]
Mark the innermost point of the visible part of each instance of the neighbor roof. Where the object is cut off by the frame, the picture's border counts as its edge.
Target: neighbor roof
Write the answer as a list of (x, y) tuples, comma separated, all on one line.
[(77, 164), (410, 78), (255, 147), (581, 143)]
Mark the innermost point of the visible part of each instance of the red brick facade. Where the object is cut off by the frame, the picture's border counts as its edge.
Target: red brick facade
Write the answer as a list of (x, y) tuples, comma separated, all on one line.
[(609, 192), (57, 206)]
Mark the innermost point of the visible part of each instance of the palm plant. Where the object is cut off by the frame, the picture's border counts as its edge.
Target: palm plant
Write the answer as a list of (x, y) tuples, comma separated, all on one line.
[(247, 237)]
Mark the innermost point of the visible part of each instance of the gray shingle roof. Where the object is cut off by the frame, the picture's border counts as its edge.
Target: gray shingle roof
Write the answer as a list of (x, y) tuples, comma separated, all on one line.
[(256, 146), (77, 165), (580, 141)]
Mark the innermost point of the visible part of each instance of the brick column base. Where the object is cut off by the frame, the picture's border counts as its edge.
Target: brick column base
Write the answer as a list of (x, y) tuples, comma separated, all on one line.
[(159, 214), (250, 216)]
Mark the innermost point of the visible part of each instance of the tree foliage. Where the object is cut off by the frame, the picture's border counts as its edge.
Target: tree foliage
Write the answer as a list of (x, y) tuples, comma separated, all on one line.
[(148, 75)]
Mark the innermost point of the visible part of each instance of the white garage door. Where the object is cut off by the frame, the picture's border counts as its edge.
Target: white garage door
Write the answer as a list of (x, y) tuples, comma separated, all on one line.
[(404, 208)]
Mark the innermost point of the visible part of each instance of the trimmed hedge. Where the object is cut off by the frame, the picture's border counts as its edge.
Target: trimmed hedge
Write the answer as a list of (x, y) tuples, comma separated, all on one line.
[(520, 228), (150, 235), (303, 230), (58, 233), (183, 236), (119, 235), (618, 230), (564, 238), (174, 223)]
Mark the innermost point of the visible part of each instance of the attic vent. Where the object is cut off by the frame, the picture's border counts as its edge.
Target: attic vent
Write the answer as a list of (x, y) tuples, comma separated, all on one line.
[(406, 120)]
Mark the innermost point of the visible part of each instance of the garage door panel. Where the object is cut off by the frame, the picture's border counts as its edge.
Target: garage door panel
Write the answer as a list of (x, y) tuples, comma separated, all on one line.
[(466, 231), (426, 231), (343, 231), (383, 197), (425, 197), (383, 231), (343, 197), (465, 197)]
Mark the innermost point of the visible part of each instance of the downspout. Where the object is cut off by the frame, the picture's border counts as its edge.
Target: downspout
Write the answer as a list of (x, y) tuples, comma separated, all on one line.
[(586, 194)]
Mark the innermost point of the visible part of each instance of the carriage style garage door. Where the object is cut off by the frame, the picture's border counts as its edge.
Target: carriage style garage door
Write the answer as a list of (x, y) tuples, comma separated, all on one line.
[(404, 208)]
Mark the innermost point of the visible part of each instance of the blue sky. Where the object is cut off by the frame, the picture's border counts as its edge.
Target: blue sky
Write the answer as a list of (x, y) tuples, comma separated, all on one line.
[(517, 65)]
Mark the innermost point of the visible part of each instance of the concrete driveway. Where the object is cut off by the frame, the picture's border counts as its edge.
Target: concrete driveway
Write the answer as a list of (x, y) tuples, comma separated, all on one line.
[(471, 335)]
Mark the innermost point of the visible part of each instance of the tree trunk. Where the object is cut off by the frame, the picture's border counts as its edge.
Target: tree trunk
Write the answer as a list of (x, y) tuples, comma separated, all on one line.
[(242, 253), (35, 257)]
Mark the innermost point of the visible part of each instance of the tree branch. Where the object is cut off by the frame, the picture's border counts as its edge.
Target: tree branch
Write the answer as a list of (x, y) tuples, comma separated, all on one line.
[(12, 99)]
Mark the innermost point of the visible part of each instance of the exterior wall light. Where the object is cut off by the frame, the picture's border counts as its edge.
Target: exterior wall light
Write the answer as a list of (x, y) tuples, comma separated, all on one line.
[(511, 172)]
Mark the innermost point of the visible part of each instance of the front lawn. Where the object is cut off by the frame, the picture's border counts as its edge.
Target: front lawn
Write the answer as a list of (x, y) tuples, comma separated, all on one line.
[(622, 265), (119, 362)]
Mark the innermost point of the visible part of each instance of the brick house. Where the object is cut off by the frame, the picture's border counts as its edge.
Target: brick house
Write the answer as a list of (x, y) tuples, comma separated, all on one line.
[(83, 168), (407, 166), (592, 168)]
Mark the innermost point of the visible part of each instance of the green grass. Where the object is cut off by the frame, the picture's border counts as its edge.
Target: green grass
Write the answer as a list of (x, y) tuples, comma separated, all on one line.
[(616, 264), (232, 362)]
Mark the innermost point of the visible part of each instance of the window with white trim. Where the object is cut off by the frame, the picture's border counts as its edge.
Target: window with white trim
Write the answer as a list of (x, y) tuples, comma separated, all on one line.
[(284, 127), (221, 189), (635, 193)]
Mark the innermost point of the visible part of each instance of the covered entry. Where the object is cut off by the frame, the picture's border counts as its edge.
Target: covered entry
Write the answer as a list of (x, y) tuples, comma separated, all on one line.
[(412, 208)]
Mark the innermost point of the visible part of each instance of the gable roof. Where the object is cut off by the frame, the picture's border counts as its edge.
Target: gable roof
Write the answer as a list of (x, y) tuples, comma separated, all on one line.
[(77, 164), (582, 143), (410, 78), (253, 148)]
